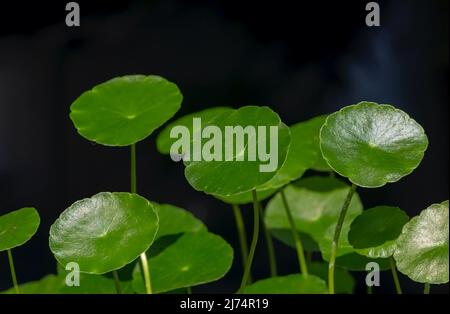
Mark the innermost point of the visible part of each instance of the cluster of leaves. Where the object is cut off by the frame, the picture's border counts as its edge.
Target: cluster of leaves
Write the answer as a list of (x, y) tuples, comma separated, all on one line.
[(125, 243)]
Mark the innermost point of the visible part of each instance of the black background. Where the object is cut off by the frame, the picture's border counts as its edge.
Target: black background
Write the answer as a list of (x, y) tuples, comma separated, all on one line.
[(302, 58)]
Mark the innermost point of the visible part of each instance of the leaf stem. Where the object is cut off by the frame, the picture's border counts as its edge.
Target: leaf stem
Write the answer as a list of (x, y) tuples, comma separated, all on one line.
[(241, 233), (336, 236), (248, 264), (269, 243), (143, 256), (13, 272), (298, 242), (398, 288), (427, 288), (117, 281), (144, 263)]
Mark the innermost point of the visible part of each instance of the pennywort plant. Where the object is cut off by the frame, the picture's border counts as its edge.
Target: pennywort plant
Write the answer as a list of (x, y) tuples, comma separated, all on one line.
[(300, 180)]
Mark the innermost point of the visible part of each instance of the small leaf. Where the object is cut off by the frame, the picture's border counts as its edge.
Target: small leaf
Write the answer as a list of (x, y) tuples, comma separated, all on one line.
[(125, 110), (104, 232), (373, 233), (229, 176), (18, 227), (175, 220), (315, 204), (285, 236), (344, 282), (193, 259), (372, 144), (290, 284), (50, 284), (422, 248), (96, 284), (164, 141), (356, 262)]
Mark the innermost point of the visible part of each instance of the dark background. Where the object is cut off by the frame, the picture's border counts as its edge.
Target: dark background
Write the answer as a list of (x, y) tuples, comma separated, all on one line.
[(302, 58)]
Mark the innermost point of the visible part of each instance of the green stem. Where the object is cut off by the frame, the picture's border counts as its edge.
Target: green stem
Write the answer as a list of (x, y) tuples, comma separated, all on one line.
[(143, 256), (336, 236), (241, 233), (297, 240), (248, 265), (398, 288), (144, 263), (189, 290), (369, 290), (13, 272), (427, 288), (269, 243), (117, 282)]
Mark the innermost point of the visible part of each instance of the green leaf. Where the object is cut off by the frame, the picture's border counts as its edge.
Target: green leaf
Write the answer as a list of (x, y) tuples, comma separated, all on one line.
[(373, 233), (18, 227), (315, 204), (422, 248), (125, 110), (50, 284), (344, 282), (104, 232), (304, 153), (175, 220), (356, 262), (193, 259), (285, 236), (246, 197), (229, 176), (96, 284), (164, 141), (372, 144), (290, 284)]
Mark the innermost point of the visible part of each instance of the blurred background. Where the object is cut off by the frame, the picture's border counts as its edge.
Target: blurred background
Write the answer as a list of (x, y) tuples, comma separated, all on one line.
[(300, 58)]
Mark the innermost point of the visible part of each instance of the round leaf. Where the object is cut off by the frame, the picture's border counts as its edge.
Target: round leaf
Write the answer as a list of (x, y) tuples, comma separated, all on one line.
[(372, 144), (125, 110), (175, 220), (373, 233), (104, 232), (315, 204), (50, 284), (356, 262), (164, 141), (422, 248), (304, 153), (230, 176), (18, 227), (290, 284), (344, 282), (193, 259)]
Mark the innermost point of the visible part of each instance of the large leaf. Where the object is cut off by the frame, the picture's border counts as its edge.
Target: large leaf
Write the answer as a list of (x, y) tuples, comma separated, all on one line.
[(164, 141), (104, 232), (315, 204), (422, 248), (18, 227), (344, 282), (373, 233), (290, 284), (193, 259), (125, 110), (304, 153), (372, 144), (227, 175)]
